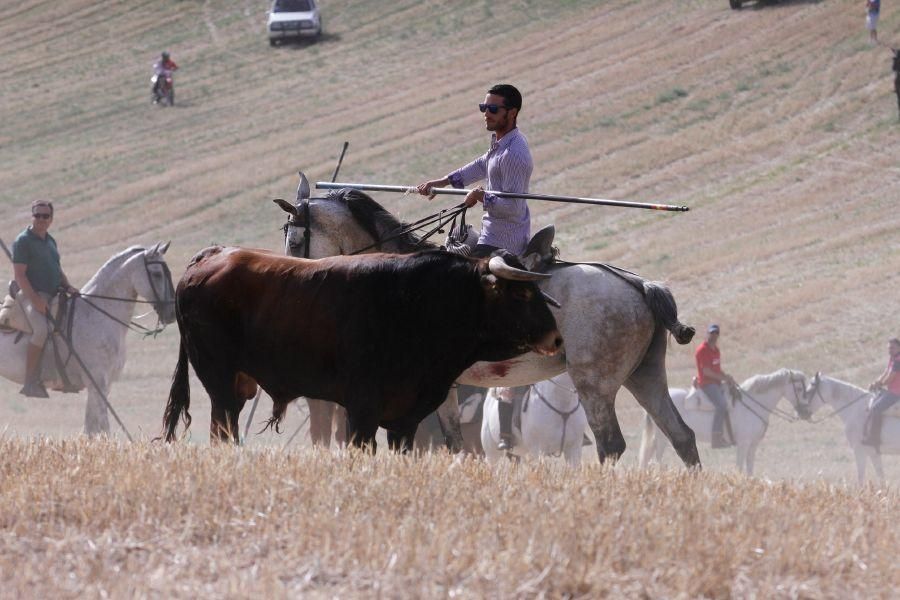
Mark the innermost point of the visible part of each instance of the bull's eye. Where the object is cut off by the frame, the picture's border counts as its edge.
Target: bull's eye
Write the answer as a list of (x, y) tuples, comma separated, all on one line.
[(523, 294)]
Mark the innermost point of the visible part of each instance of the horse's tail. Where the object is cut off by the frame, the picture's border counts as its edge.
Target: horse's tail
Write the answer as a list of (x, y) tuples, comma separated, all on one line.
[(662, 305), (648, 439), (179, 396), (660, 301)]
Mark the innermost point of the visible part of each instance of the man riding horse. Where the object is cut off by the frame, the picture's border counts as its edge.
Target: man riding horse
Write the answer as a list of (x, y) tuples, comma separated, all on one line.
[(40, 277), (506, 223)]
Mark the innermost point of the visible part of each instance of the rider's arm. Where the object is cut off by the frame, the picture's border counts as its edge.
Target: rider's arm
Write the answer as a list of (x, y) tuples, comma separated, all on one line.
[(70, 289), (720, 377)]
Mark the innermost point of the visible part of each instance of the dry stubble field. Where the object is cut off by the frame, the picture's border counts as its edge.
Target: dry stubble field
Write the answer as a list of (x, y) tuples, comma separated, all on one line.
[(776, 124)]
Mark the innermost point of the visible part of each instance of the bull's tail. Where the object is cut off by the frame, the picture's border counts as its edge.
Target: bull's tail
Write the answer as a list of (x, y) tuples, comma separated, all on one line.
[(662, 304), (179, 396)]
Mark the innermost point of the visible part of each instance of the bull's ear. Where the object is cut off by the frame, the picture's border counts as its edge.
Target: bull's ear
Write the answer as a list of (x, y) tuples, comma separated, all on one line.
[(286, 206)]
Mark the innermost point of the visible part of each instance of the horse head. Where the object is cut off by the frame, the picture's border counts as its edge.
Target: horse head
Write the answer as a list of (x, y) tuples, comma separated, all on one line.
[(812, 393), (153, 281), (346, 221), (798, 386)]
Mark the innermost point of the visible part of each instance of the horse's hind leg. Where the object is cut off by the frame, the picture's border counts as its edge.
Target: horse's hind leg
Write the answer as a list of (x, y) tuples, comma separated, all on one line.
[(600, 407), (649, 385), (321, 413)]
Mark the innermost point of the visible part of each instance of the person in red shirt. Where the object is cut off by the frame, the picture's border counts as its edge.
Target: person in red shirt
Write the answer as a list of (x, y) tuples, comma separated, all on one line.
[(889, 395), (710, 378)]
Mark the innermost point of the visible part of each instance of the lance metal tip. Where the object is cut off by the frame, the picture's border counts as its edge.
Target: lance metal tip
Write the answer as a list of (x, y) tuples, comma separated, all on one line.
[(407, 189)]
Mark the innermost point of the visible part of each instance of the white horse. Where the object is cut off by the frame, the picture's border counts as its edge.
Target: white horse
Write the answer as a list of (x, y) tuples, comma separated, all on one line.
[(100, 319), (851, 404), (553, 422), (749, 414)]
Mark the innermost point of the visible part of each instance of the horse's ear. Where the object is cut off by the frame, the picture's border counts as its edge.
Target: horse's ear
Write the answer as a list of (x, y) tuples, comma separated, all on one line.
[(154, 249), (286, 206), (303, 188), (818, 375), (164, 247)]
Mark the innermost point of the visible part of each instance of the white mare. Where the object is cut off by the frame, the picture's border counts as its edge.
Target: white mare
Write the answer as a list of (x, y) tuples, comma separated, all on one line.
[(851, 405), (749, 415), (99, 326), (553, 422)]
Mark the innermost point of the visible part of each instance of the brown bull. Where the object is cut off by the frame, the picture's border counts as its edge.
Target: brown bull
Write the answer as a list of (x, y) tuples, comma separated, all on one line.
[(382, 335)]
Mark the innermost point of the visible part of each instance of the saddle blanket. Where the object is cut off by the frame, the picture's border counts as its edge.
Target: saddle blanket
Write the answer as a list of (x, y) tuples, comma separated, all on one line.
[(12, 316), (697, 400)]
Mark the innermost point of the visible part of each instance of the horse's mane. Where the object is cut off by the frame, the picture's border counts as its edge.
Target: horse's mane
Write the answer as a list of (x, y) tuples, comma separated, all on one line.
[(842, 383), (113, 264), (375, 220), (761, 383)]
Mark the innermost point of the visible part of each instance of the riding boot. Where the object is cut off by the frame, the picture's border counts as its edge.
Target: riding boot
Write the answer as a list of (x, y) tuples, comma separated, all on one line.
[(718, 433), (505, 414), (33, 387), (872, 431)]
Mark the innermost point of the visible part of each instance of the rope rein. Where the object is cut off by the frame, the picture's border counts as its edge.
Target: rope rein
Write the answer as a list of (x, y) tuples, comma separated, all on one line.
[(835, 412)]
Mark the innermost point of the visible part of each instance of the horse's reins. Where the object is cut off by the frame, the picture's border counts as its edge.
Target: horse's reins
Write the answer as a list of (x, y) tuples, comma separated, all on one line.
[(441, 218), (818, 392), (786, 416), (132, 325), (564, 415)]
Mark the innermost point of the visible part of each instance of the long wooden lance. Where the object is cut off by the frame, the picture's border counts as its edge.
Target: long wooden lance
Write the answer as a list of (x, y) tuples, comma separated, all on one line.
[(404, 189)]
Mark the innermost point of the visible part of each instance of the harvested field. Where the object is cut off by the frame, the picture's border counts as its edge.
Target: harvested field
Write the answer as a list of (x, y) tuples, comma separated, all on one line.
[(110, 519)]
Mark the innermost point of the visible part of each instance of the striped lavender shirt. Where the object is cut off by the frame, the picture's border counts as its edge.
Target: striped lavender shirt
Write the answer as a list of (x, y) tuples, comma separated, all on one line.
[(507, 168)]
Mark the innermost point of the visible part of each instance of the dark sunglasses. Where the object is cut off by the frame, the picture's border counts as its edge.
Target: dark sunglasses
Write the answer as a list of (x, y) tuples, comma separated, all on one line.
[(42, 215), (491, 108)]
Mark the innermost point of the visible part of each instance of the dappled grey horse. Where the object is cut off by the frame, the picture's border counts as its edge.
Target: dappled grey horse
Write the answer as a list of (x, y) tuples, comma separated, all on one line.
[(614, 323)]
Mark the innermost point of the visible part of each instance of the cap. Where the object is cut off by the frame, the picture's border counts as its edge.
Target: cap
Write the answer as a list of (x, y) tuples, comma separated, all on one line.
[(713, 329)]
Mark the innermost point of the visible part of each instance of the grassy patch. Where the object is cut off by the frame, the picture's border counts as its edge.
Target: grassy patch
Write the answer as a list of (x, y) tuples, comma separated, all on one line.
[(671, 95)]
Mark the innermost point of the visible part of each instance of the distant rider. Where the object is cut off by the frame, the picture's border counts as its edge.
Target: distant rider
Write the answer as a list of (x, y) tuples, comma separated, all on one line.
[(710, 378), (506, 224), (162, 68), (888, 386)]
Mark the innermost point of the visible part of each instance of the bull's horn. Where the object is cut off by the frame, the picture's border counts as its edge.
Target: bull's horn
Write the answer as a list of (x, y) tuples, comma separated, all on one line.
[(498, 267)]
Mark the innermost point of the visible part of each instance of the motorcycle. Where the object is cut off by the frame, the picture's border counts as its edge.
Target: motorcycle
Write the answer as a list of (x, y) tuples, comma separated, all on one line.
[(163, 90)]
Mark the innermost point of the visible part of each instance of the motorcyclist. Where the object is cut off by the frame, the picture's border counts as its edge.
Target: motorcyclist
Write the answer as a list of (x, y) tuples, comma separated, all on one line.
[(162, 69)]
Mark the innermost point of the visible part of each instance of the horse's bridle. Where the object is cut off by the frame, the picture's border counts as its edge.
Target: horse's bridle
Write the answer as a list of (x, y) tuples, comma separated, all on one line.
[(159, 301), (801, 408), (303, 207), (440, 218)]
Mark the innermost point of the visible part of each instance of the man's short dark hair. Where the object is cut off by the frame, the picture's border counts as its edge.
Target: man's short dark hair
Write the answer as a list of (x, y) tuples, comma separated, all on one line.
[(894, 341), (46, 203), (512, 98)]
